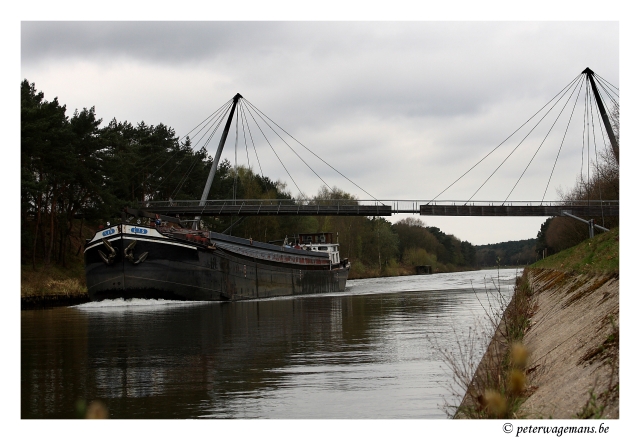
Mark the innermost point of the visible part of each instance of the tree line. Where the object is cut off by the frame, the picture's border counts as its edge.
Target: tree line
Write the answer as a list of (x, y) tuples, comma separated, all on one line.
[(509, 253), (72, 168)]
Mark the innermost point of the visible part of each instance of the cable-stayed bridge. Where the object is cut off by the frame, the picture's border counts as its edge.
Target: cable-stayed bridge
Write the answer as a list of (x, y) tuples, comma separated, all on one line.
[(600, 104)]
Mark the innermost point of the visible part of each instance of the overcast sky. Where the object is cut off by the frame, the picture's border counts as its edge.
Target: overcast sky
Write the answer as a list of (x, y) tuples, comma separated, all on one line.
[(402, 109)]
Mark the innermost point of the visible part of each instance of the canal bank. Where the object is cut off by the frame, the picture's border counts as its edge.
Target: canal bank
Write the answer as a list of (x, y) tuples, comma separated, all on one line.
[(52, 286), (565, 362), (573, 346), (53, 300)]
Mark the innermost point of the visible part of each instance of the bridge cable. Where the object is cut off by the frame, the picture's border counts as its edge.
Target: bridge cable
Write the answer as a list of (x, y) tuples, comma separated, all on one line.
[(179, 162), (310, 151), (563, 138), (604, 102), (222, 118), (147, 178), (614, 101), (588, 148), (584, 125), (251, 136), (602, 175), (274, 151), (295, 152), (598, 179), (187, 173), (606, 90), (214, 125), (501, 143), (226, 104), (203, 149), (233, 186), (595, 152), (151, 162), (244, 137), (165, 179), (219, 120), (235, 174), (600, 77), (520, 143), (604, 143), (610, 112), (543, 140), (178, 150)]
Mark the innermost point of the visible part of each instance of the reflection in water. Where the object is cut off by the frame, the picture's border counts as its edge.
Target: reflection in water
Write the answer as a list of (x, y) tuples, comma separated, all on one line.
[(359, 354)]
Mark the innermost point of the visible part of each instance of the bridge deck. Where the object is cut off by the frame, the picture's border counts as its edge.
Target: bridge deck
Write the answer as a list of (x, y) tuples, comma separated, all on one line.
[(217, 208), (520, 211), (253, 210)]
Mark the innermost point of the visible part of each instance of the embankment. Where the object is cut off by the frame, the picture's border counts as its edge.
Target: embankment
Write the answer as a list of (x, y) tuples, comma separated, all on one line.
[(572, 341), (51, 286), (570, 334)]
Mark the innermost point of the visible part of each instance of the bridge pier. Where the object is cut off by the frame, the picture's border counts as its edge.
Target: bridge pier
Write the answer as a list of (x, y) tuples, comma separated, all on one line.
[(590, 222)]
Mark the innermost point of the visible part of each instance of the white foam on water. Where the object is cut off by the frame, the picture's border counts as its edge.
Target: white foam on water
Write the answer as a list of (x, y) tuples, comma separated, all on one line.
[(120, 304)]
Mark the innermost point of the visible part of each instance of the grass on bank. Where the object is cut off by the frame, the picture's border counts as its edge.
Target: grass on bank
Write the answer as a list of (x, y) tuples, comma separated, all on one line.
[(52, 280), (600, 254)]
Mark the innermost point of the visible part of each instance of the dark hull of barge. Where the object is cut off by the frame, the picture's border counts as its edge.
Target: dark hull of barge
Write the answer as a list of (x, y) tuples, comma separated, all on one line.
[(128, 261)]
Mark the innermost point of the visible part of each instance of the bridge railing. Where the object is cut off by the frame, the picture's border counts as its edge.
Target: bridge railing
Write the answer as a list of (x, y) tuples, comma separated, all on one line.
[(341, 205), (519, 202), (248, 207), (264, 202)]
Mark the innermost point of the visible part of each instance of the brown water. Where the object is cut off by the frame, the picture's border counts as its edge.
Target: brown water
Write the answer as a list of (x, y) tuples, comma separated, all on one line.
[(369, 352)]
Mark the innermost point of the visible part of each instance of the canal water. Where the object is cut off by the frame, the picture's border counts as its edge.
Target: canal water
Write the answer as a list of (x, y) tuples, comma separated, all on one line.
[(372, 352)]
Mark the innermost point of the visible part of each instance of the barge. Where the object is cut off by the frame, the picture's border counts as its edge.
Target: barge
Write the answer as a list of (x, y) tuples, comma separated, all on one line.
[(167, 262)]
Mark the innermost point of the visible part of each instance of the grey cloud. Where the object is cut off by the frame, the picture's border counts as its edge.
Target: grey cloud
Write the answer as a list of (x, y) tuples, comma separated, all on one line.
[(409, 69)]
